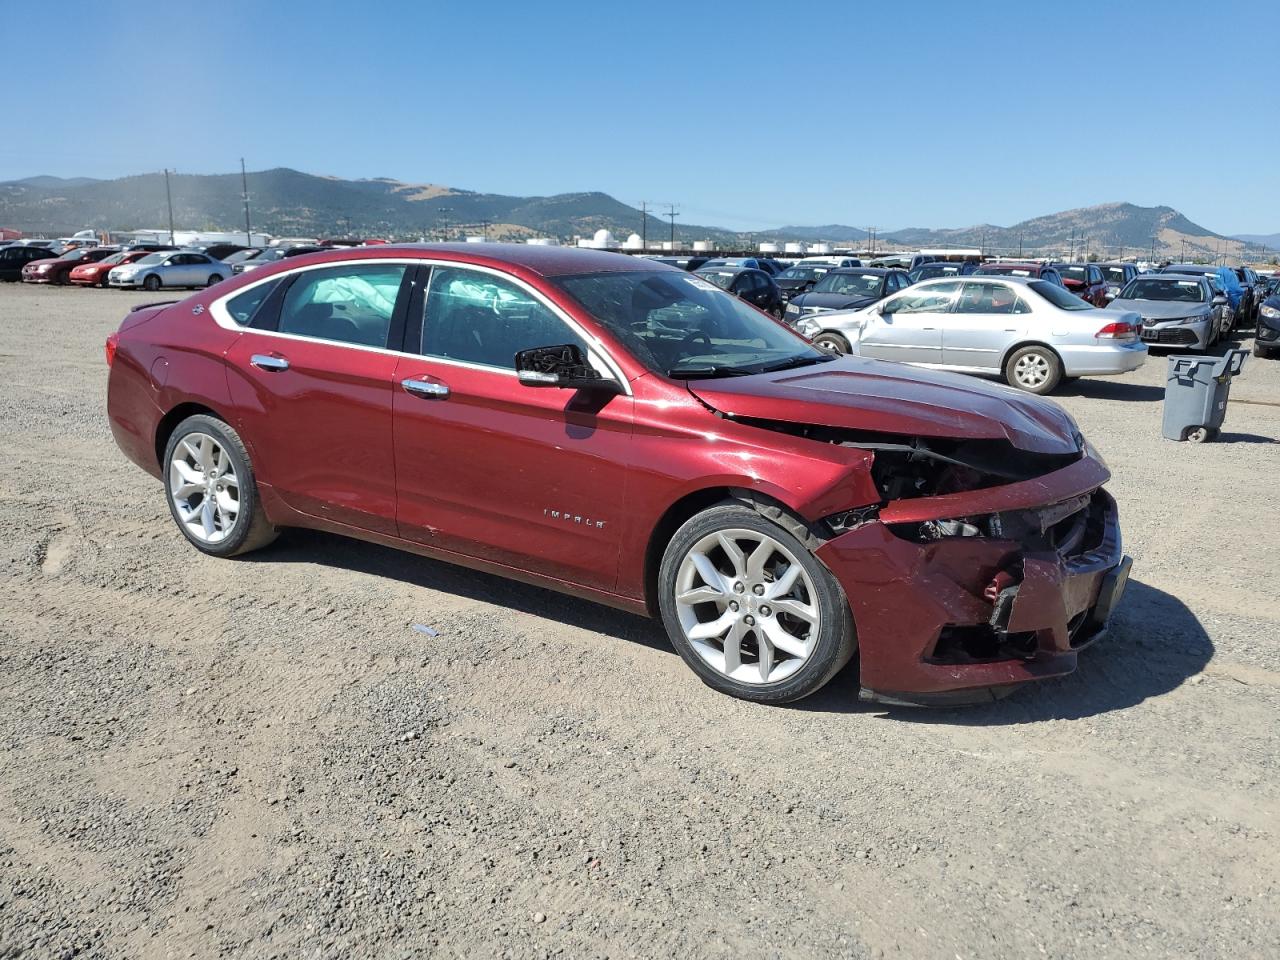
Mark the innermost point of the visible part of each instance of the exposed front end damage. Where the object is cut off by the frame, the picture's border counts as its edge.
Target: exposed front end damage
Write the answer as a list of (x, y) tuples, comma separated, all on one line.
[(959, 596)]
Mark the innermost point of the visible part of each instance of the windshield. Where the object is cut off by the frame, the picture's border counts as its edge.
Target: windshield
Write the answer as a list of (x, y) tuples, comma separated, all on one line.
[(850, 284), (682, 326), (153, 258), (1192, 269), (114, 259), (721, 278), (1182, 291), (1072, 273), (803, 273), (240, 256), (1113, 274), (929, 271), (77, 254), (1060, 298)]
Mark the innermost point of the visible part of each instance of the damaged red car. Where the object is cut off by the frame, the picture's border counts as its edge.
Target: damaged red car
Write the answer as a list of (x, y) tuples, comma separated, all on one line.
[(629, 433)]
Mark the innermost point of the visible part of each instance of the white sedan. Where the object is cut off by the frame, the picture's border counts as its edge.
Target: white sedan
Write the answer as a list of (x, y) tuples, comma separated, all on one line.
[(1031, 333)]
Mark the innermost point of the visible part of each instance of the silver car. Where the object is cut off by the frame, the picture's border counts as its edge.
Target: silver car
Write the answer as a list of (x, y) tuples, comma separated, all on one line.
[(1031, 333), (1180, 311), (170, 268)]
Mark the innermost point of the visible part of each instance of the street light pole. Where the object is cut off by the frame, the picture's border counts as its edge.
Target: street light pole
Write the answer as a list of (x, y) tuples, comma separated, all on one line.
[(168, 195), (244, 186)]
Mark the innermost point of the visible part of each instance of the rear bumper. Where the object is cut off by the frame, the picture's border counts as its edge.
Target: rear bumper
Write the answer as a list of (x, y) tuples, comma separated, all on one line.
[(966, 619), (1102, 360)]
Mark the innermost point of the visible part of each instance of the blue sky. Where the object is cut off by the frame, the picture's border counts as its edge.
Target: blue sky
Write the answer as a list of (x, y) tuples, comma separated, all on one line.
[(747, 115)]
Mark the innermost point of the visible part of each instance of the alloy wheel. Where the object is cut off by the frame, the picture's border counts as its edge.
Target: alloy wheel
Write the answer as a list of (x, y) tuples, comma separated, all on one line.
[(747, 606), (204, 488), (1031, 370)]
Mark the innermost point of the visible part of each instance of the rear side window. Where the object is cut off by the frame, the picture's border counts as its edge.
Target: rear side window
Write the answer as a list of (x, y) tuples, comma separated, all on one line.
[(243, 306), (476, 317), (346, 304)]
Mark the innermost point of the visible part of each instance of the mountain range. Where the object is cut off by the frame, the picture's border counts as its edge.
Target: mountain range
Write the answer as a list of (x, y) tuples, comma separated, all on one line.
[(287, 202)]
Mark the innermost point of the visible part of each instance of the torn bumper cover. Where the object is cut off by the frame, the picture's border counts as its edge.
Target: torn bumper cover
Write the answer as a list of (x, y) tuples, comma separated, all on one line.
[(959, 598)]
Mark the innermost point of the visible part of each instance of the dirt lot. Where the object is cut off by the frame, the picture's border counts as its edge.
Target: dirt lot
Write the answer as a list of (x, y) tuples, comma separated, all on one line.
[(262, 758)]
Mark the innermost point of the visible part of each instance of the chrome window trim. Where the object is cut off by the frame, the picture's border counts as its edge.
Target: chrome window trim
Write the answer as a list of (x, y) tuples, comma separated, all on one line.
[(223, 318)]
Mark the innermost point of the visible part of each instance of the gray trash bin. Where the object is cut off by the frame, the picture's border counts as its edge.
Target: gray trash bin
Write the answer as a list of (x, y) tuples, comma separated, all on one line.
[(1195, 394)]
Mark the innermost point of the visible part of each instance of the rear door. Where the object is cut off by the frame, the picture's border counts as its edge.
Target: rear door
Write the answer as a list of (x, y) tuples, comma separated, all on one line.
[(986, 318), (311, 379), (908, 327), (531, 478)]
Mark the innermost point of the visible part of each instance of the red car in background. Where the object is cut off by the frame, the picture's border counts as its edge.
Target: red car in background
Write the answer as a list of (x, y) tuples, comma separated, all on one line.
[(620, 430), (1085, 280), (58, 269), (94, 274)]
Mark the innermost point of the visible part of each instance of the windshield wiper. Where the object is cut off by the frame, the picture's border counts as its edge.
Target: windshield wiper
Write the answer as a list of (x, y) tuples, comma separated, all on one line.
[(706, 371), (792, 362)]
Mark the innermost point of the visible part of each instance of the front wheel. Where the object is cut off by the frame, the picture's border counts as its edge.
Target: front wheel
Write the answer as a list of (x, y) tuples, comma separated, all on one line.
[(1035, 369), (832, 343), (209, 483), (750, 609), (151, 283)]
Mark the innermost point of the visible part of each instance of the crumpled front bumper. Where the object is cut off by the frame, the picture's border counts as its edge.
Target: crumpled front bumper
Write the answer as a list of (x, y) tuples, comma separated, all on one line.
[(965, 619)]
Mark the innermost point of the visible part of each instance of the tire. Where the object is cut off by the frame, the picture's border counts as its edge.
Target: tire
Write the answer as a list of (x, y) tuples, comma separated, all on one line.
[(777, 311), (151, 282), (103, 282), (249, 528), (820, 637), (1035, 369), (832, 343), (1198, 434), (1263, 352), (214, 278)]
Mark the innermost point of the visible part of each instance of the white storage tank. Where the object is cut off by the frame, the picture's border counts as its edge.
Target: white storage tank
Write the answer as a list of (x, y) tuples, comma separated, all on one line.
[(795, 247), (633, 242), (543, 241), (820, 248), (703, 246), (768, 246)]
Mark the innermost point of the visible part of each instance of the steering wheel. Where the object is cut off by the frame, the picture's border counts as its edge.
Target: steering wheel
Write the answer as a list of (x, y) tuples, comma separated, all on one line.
[(696, 335)]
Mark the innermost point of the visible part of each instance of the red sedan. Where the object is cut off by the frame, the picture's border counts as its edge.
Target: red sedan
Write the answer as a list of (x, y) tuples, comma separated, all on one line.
[(94, 274), (626, 432), (58, 269)]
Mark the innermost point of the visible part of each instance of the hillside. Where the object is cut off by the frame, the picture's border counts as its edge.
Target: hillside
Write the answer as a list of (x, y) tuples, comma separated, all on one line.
[(1269, 240), (287, 202)]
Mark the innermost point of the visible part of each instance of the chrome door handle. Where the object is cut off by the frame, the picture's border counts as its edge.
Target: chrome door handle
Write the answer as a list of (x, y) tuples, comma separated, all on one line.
[(425, 388), (265, 361)]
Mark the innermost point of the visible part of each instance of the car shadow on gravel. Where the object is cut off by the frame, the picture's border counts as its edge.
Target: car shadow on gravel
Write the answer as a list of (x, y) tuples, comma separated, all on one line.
[(1100, 389), (1243, 438), (308, 546), (1154, 645)]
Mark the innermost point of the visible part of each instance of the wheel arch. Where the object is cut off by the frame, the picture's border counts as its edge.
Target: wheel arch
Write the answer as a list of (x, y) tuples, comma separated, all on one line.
[(169, 422), (694, 502), (1010, 351)]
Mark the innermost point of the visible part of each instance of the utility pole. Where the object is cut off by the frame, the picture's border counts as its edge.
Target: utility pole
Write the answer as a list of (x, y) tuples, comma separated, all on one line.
[(871, 240), (1019, 244), (484, 229), (1153, 248), (168, 195), (671, 212), (644, 225), (444, 223), (244, 187)]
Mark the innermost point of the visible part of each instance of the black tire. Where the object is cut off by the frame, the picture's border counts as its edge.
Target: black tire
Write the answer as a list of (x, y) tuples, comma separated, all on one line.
[(1262, 352), (777, 311), (832, 343), (836, 640), (103, 282), (215, 278), (151, 283), (1044, 359), (251, 529)]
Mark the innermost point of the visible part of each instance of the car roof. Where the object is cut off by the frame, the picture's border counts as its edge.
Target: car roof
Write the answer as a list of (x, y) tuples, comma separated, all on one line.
[(545, 261), (978, 278), (1198, 269), (877, 271), (1171, 276), (734, 268)]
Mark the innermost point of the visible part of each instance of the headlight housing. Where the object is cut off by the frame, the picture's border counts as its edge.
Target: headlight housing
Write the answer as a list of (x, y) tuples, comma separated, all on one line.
[(1271, 313), (809, 327), (1198, 318)]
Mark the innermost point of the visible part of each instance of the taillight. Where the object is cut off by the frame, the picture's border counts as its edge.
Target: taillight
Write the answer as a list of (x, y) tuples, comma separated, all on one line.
[(112, 341), (1117, 331)]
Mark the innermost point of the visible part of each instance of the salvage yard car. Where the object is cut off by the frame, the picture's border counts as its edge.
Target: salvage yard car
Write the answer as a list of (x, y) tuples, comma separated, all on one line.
[(1032, 333), (629, 433), (95, 273), (178, 268), (1181, 312), (57, 270), (847, 289)]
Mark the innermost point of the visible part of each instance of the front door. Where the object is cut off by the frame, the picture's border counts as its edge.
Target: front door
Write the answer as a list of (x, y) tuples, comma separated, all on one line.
[(311, 382), (986, 318), (532, 478), (908, 327)]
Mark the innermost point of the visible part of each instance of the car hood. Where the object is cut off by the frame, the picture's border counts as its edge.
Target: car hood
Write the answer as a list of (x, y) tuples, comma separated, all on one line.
[(832, 301), (41, 263), (1160, 309), (857, 393)]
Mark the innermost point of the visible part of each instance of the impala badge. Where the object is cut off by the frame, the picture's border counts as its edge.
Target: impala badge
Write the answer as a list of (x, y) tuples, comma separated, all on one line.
[(568, 517)]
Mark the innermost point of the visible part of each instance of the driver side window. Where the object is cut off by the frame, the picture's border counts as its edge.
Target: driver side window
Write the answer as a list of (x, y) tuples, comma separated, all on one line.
[(475, 317), (935, 299)]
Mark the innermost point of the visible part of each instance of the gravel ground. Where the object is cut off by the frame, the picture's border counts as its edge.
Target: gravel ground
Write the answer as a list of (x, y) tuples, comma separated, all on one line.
[(261, 758)]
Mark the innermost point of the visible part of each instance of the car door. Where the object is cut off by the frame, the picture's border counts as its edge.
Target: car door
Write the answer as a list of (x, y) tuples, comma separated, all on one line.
[(907, 327), (529, 478), (987, 317), (198, 269), (311, 383)]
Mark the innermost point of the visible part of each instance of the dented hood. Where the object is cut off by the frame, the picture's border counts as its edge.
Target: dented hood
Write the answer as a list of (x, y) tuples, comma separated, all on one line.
[(856, 393)]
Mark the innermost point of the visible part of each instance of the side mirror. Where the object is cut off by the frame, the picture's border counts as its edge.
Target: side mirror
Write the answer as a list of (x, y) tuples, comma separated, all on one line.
[(1220, 299), (1111, 295), (561, 366)]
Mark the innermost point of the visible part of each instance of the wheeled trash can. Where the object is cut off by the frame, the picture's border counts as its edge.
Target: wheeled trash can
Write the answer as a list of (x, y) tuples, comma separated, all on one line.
[(1195, 394)]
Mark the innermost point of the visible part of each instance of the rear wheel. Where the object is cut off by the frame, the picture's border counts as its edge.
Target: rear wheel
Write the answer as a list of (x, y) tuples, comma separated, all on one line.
[(211, 490), (1035, 369), (152, 283), (750, 609), (832, 343), (215, 278)]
